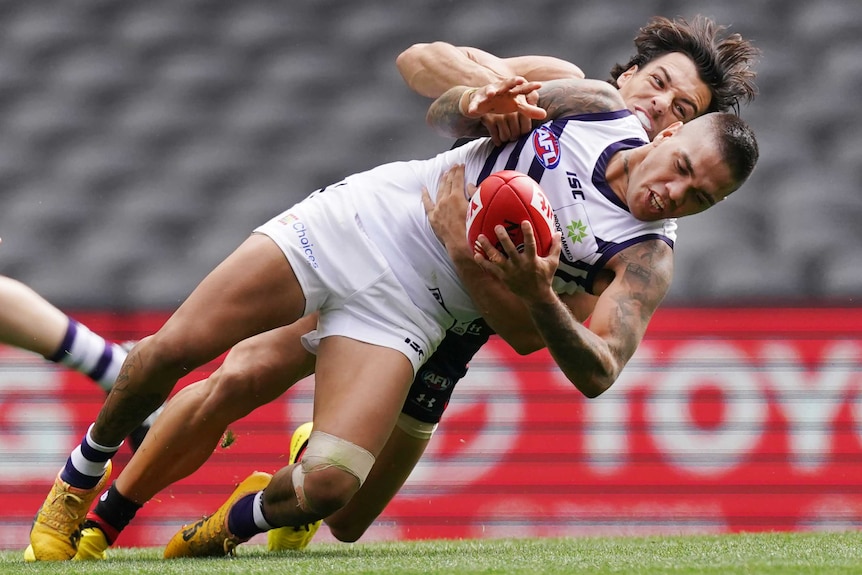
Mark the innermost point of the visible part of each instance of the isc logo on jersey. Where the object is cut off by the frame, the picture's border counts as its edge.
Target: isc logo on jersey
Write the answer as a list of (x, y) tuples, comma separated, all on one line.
[(547, 147)]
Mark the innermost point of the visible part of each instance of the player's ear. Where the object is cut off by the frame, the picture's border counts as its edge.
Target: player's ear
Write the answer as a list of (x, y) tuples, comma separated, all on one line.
[(623, 78), (668, 132)]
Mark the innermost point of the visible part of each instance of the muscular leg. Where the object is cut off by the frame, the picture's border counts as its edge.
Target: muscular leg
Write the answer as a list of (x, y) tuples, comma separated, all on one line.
[(255, 372), (359, 390), (254, 290), (391, 469)]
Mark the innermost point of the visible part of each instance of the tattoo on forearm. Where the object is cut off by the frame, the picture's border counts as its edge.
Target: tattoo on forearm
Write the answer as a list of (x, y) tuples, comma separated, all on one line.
[(578, 352), (566, 97), (445, 116)]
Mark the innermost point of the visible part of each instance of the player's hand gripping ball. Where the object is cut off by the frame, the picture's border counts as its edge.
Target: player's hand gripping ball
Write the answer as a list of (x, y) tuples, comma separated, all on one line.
[(508, 198)]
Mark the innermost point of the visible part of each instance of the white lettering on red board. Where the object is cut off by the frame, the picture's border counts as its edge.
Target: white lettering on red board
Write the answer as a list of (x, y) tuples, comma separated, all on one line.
[(807, 398)]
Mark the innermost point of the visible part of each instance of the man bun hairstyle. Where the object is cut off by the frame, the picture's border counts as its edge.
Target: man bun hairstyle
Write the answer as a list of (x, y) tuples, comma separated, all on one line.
[(723, 61)]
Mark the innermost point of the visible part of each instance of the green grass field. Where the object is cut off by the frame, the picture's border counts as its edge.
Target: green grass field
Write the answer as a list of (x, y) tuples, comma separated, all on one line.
[(749, 554)]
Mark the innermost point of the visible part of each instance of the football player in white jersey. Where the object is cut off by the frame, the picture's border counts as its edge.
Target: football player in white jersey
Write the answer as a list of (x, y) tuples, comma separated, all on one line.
[(432, 68), (297, 365)]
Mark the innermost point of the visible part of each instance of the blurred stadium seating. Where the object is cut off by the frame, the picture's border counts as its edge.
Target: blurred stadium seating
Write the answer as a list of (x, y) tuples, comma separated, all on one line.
[(140, 142)]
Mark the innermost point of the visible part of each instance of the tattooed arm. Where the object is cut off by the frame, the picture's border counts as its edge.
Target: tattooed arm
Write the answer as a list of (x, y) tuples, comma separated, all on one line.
[(591, 358), (458, 112), (432, 68)]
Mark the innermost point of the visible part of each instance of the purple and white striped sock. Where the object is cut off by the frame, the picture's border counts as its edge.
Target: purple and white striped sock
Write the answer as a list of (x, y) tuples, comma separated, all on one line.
[(91, 354), (87, 464)]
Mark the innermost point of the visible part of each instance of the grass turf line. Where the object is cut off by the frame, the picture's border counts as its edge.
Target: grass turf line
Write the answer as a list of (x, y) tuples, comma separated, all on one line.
[(748, 554)]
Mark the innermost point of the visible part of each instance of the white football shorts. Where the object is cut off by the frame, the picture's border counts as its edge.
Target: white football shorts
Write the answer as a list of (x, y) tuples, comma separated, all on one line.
[(346, 278)]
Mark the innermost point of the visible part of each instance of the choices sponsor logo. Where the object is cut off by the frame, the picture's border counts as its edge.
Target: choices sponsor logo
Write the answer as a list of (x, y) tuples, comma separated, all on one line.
[(302, 235)]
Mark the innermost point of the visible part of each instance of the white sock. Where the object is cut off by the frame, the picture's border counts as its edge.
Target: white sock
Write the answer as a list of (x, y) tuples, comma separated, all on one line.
[(257, 509)]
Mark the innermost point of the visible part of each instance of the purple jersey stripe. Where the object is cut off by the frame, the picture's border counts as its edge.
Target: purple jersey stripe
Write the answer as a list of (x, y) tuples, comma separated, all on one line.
[(599, 179)]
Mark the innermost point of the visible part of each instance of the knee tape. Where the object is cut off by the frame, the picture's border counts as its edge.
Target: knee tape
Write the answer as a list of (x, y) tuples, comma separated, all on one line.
[(415, 428), (325, 451)]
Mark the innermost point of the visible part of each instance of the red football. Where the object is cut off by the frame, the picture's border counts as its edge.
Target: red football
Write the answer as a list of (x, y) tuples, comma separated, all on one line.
[(508, 198)]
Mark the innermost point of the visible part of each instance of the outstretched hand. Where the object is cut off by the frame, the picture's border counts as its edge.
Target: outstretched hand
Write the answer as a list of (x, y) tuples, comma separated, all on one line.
[(512, 95), (525, 273)]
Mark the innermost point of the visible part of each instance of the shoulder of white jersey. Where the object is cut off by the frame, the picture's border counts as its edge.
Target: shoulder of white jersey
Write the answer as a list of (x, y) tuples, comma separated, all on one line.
[(623, 120)]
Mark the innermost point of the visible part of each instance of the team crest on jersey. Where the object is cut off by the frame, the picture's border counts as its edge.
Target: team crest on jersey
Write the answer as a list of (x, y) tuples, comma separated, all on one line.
[(547, 147)]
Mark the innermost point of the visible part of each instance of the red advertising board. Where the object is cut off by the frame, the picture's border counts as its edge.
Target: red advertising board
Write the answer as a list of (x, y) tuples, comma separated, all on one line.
[(725, 420)]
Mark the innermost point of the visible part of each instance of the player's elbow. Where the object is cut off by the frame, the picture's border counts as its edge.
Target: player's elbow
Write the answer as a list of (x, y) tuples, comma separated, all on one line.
[(407, 56), (523, 342), (410, 59), (528, 347)]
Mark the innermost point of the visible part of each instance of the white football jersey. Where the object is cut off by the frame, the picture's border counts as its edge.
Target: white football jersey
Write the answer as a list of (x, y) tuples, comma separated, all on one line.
[(567, 157)]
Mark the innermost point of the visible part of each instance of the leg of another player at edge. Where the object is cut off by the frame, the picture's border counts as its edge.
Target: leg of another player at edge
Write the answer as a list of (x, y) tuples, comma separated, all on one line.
[(30, 322)]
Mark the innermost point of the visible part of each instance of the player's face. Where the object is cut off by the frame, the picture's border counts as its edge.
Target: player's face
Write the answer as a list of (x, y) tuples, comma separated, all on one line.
[(681, 173), (665, 90)]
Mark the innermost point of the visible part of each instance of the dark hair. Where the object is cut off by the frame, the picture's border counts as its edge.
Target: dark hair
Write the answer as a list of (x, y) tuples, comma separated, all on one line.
[(723, 63), (736, 145)]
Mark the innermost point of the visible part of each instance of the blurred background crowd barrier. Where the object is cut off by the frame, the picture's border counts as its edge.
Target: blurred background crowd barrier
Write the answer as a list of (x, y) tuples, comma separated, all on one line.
[(140, 142)]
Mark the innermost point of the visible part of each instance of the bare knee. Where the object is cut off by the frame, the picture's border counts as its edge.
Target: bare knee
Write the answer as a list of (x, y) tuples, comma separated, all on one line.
[(347, 532), (239, 389), (151, 371), (266, 365), (326, 490), (160, 356)]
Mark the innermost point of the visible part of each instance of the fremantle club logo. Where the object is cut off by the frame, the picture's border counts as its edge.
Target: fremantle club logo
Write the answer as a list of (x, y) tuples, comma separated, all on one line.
[(547, 147)]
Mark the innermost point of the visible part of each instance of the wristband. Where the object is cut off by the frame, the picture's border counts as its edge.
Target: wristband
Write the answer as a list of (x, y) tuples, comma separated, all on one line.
[(469, 93)]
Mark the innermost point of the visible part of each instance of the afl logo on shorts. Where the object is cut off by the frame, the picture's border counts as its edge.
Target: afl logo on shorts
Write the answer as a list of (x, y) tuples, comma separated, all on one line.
[(547, 147), (436, 381)]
